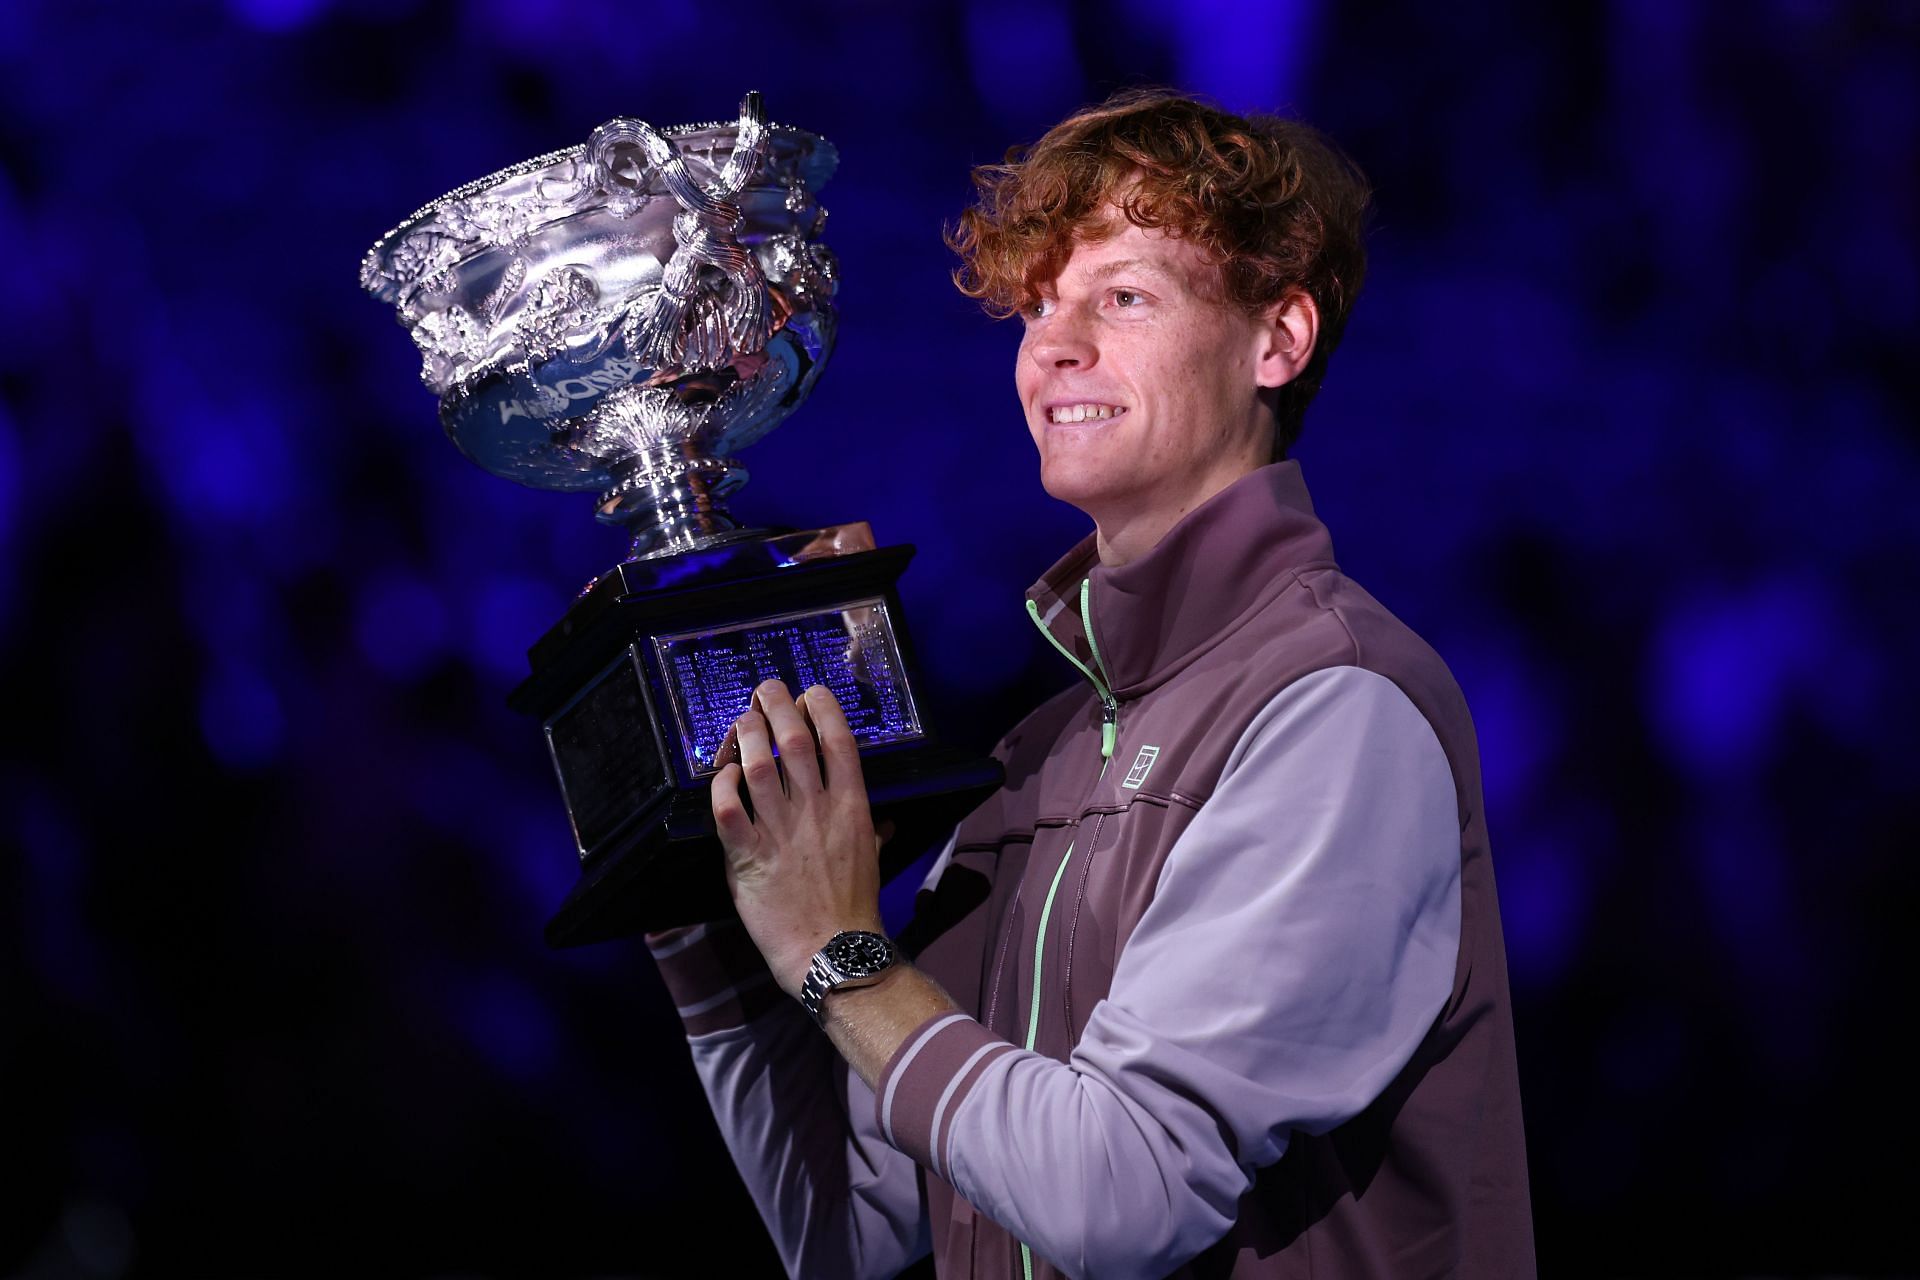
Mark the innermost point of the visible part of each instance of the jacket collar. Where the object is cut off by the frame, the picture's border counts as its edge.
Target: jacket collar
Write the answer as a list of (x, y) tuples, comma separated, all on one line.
[(1225, 559)]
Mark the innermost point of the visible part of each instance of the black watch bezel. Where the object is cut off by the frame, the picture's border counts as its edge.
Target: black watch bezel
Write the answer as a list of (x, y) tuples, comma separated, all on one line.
[(850, 958), (859, 953)]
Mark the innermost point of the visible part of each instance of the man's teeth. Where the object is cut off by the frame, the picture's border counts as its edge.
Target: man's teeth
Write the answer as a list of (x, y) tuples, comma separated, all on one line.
[(1083, 412)]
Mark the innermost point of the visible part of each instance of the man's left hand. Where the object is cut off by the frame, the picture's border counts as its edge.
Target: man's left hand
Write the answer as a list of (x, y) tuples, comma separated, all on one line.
[(806, 864)]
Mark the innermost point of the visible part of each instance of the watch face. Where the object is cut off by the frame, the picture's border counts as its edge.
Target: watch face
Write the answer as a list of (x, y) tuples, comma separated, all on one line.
[(859, 955)]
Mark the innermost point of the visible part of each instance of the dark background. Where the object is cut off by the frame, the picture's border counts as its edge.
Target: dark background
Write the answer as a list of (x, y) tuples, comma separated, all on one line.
[(1625, 424)]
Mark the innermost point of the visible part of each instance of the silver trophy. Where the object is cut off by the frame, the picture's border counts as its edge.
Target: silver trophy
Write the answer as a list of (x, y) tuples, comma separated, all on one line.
[(623, 317)]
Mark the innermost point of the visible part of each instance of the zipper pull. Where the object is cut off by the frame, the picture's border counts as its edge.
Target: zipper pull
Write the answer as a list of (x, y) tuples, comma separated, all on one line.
[(1109, 713)]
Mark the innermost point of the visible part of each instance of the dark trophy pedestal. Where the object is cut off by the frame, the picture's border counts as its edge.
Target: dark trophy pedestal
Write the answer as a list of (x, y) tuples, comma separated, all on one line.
[(639, 683)]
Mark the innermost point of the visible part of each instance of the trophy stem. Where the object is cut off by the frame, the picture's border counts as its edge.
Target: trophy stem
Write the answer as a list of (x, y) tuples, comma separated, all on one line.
[(671, 500)]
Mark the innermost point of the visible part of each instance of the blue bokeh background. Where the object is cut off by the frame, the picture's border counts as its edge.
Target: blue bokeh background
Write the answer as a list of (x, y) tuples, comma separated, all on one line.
[(1625, 424)]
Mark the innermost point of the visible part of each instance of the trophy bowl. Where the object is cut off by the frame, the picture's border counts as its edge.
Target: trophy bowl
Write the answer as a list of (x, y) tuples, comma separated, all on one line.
[(626, 315)]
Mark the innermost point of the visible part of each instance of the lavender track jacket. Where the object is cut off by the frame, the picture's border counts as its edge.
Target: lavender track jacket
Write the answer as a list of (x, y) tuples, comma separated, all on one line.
[(1228, 945)]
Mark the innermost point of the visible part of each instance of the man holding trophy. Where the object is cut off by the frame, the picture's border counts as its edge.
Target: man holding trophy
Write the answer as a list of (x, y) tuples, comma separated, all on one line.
[(1209, 978), (1215, 982)]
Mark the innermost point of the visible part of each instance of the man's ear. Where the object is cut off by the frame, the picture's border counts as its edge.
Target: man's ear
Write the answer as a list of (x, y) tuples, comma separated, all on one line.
[(1288, 331)]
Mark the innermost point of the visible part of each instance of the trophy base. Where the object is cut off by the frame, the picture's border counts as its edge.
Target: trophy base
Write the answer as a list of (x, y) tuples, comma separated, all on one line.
[(638, 683), (668, 870)]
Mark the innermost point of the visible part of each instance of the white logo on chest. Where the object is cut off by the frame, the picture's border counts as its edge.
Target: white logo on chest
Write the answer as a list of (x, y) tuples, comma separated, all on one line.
[(1142, 766)]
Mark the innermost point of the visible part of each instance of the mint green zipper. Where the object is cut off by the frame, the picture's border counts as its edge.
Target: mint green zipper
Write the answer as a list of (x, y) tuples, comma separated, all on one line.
[(1109, 730), (1109, 707)]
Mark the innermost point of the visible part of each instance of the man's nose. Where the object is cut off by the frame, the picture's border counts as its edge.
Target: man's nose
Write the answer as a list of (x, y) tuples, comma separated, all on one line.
[(1064, 341)]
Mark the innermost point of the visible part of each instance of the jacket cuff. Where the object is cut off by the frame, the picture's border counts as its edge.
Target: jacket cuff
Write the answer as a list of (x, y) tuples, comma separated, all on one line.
[(927, 1079), (715, 975)]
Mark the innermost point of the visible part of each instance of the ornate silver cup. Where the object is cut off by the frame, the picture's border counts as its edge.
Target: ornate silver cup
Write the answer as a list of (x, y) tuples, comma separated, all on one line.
[(626, 315), (623, 317)]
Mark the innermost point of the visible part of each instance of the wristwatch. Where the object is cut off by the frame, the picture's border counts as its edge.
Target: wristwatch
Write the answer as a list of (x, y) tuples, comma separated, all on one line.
[(851, 958)]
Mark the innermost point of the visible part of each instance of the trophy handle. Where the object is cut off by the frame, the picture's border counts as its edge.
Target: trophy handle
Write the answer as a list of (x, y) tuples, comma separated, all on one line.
[(685, 325)]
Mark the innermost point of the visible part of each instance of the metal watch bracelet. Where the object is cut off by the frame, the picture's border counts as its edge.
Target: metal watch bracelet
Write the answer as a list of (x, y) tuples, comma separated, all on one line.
[(851, 958)]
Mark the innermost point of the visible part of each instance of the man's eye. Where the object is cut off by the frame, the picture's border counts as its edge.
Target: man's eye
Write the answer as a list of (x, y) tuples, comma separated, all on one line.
[(1037, 308), (1125, 298)]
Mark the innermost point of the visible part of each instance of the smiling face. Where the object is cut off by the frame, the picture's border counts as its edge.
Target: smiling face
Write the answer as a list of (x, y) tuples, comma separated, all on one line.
[(1141, 384)]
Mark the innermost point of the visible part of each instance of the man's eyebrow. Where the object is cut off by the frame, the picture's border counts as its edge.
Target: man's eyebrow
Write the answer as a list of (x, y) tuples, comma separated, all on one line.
[(1108, 270)]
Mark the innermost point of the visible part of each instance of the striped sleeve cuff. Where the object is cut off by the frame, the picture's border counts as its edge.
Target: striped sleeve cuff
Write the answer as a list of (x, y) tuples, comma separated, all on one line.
[(928, 1078), (715, 975)]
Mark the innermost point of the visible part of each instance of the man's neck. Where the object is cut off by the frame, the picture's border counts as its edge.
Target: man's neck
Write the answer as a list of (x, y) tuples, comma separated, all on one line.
[(1123, 543), (1123, 537)]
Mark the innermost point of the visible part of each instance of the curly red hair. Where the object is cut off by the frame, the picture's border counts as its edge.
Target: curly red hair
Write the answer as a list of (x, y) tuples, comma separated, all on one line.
[(1272, 201)]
